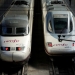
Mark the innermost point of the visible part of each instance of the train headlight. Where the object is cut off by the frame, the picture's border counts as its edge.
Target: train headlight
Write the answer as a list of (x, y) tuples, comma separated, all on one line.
[(5, 48), (20, 48), (49, 44), (72, 44)]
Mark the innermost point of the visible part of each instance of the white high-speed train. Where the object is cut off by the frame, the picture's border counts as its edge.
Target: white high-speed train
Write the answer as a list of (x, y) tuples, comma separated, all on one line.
[(59, 28), (16, 31)]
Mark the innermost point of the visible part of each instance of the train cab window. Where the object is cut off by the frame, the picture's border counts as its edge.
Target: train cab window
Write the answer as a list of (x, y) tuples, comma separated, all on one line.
[(61, 25), (20, 30), (6, 30), (50, 26)]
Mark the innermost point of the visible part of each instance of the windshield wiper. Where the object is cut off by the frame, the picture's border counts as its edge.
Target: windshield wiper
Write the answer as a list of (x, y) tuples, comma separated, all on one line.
[(64, 29), (60, 40)]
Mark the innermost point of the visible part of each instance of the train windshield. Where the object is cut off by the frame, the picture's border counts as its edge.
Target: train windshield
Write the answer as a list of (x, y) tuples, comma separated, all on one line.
[(6, 30), (20, 30), (15, 31), (61, 25)]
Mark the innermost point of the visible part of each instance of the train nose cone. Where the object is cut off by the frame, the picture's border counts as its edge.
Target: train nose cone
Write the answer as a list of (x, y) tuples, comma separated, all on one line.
[(19, 56), (6, 56)]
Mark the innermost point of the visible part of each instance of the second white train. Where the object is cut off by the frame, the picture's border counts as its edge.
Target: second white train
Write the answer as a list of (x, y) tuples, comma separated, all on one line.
[(59, 28)]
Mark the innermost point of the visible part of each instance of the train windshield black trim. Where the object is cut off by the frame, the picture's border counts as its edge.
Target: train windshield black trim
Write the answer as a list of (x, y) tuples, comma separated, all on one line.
[(21, 2), (56, 2), (20, 30), (6, 30), (61, 25)]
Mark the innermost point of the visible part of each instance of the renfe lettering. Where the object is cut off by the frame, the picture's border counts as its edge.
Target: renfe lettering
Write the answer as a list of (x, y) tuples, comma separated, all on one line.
[(12, 41), (60, 44)]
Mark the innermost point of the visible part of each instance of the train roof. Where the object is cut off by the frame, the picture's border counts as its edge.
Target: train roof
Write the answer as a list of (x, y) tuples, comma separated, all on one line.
[(17, 15), (16, 21), (18, 9), (53, 5)]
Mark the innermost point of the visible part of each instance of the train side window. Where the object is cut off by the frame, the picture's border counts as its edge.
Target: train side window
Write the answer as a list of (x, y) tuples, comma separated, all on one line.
[(50, 26), (56, 2), (27, 29), (0, 29), (71, 26), (6, 30), (21, 2), (28, 14)]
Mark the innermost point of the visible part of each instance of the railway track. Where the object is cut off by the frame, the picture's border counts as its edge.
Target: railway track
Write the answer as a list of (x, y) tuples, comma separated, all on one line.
[(13, 70), (62, 67)]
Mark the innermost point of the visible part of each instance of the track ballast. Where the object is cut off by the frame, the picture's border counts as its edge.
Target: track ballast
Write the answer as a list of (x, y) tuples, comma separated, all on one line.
[(61, 66)]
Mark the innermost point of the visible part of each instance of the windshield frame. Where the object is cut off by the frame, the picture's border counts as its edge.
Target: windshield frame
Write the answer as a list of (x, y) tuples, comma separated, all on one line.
[(20, 28), (14, 31), (68, 23)]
